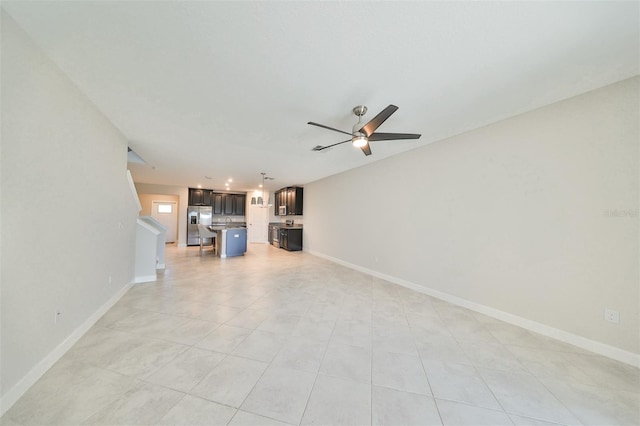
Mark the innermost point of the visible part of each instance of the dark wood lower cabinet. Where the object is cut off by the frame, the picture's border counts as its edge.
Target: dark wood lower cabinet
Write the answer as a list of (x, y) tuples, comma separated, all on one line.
[(291, 239)]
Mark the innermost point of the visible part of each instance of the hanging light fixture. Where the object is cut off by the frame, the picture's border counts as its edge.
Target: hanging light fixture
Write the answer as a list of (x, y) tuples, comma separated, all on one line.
[(261, 199)]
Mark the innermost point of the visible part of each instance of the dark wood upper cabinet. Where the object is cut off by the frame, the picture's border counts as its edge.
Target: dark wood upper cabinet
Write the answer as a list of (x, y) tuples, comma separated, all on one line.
[(200, 197), (275, 204), (217, 204), (238, 204), (280, 201), (207, 197), (228, 204), (221, 203), (294, 200), (290, 197), (196, 197)]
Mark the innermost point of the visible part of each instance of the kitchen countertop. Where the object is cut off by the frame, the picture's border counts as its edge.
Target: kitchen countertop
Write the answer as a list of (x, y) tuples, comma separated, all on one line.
[(230, 225), (285, 226)]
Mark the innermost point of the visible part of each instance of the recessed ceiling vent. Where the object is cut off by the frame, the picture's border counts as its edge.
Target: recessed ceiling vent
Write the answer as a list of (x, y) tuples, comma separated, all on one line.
[(132, 157)]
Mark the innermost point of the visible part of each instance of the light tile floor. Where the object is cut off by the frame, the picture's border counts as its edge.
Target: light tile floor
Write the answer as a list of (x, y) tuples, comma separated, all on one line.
[(276, 338)]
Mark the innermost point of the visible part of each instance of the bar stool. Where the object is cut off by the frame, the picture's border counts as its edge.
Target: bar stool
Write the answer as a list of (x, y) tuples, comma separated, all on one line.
[(204, 232)]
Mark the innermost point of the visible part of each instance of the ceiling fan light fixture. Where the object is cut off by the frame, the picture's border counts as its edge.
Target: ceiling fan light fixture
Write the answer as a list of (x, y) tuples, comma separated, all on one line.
[(359, 141)]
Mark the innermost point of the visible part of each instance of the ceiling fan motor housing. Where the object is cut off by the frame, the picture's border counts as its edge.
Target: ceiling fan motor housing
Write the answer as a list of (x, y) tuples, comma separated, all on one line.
[(360, 110)]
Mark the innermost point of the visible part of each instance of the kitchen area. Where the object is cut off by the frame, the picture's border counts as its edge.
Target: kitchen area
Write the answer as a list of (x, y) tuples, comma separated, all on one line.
[(287, 234), (226, 215)]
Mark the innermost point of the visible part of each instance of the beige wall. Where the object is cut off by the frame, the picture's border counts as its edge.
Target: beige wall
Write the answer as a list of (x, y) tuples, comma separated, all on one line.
[(68, 217), (146, 191), (519, 216), (147, 199)]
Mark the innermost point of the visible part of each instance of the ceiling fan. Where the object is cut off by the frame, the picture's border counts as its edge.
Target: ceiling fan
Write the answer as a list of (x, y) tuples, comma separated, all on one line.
[(364, 133)]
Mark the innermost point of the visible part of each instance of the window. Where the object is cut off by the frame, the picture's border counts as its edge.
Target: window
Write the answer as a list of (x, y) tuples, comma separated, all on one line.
[(165, 208)]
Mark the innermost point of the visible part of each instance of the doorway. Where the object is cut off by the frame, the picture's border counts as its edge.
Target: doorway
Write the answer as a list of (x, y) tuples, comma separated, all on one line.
[(166, 212), (257, 224)]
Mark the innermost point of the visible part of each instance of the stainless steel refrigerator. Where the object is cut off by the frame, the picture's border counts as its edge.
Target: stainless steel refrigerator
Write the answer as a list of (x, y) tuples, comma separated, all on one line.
[(197, 215)]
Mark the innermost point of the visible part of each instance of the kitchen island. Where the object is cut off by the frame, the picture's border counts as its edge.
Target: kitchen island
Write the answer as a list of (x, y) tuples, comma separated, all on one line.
[(230, 240)]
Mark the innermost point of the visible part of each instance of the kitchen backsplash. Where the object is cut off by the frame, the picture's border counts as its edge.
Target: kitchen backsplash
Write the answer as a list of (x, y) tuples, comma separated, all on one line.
[(220, 219)]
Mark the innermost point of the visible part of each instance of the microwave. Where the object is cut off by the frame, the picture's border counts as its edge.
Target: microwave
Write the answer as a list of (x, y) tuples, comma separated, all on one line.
[(282, 210)]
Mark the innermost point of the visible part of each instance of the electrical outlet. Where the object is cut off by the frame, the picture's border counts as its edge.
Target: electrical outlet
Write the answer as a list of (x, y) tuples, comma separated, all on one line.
[(612, 315), (56, 316), (109, 279)]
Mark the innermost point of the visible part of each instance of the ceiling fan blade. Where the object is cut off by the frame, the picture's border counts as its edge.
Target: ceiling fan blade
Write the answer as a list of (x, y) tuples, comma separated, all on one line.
[(366, 149), (329, 128), (392, 136), (320, 147), (376, 121)]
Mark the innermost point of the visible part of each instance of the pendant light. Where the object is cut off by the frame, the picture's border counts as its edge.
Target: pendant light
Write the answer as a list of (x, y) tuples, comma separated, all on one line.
[(261, 200)]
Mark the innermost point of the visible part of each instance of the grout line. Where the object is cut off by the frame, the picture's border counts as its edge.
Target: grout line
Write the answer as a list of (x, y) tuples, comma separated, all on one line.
[(424, 370), (326, 349)]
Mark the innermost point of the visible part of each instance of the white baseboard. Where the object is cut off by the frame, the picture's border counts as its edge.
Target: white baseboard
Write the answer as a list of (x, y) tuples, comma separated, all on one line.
[(144, 279), (561, 335), (12, 395)]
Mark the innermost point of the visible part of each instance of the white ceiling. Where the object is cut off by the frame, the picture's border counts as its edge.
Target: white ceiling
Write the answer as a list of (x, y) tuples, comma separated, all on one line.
[(225, 89)]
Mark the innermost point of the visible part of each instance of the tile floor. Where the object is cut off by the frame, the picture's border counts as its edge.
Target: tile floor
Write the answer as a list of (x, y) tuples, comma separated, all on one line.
[(276, 338)]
